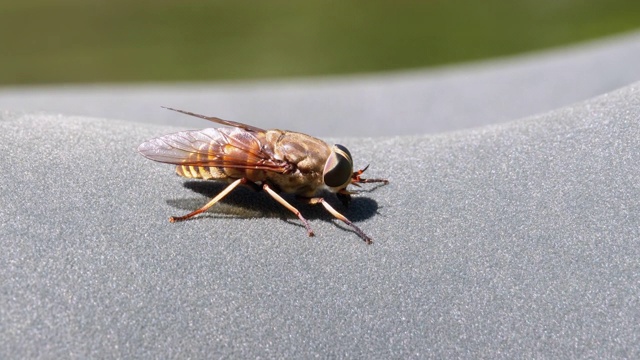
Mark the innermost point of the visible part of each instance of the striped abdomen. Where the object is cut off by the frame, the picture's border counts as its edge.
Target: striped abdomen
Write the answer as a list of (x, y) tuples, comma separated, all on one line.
[(200, 172)]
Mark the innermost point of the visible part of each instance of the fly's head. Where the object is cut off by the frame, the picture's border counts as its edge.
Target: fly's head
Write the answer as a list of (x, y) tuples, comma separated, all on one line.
[(338, 174), (338, 170)]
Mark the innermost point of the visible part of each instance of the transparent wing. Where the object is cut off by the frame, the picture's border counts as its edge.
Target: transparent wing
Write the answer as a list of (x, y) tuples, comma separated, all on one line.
[(223, 147)]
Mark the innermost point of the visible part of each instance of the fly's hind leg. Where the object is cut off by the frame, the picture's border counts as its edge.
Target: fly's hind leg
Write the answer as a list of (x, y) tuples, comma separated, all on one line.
[(218, 197), (337, 215), (284, 203)]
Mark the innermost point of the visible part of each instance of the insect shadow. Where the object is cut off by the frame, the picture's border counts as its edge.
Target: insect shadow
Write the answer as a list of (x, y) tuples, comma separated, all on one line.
[(247, 202)]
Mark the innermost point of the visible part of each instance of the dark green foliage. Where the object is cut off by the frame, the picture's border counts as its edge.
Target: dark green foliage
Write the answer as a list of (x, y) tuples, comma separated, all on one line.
[(45, 41)]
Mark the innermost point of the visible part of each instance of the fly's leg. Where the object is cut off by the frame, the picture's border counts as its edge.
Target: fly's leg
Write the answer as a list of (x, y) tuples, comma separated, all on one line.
[(218, 197), (337, 215), (356, 179), (369, 181), (284, 203)]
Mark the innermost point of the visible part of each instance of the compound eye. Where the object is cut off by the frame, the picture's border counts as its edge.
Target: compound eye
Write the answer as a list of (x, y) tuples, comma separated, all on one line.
[(339, 168)]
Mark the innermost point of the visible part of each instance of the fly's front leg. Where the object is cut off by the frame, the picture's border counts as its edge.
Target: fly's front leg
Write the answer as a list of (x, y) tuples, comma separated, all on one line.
[(337, 215), (369, 181), (218, 197), (356, 179), (284, 203)]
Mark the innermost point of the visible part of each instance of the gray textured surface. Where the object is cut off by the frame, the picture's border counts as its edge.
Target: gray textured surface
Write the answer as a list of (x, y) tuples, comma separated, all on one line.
[(515, 240), (403, 103), (519, 239)]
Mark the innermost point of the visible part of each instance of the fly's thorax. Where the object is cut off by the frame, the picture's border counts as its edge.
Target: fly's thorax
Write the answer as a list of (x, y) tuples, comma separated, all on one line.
[(303, 184), (306, 154)]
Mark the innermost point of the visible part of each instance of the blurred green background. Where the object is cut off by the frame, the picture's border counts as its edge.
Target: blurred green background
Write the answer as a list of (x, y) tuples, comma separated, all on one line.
[(79, 41)]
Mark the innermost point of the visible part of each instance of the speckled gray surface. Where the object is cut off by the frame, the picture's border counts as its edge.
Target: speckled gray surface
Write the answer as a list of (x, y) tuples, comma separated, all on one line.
[(514, 240), (403, 103)]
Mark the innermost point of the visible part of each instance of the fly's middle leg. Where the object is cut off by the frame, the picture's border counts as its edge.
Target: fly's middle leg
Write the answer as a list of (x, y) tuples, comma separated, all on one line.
[(337, 215), (284, 203)]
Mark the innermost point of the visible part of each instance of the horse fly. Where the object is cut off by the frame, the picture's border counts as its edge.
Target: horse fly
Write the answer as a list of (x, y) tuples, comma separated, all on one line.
[(274, 160)]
